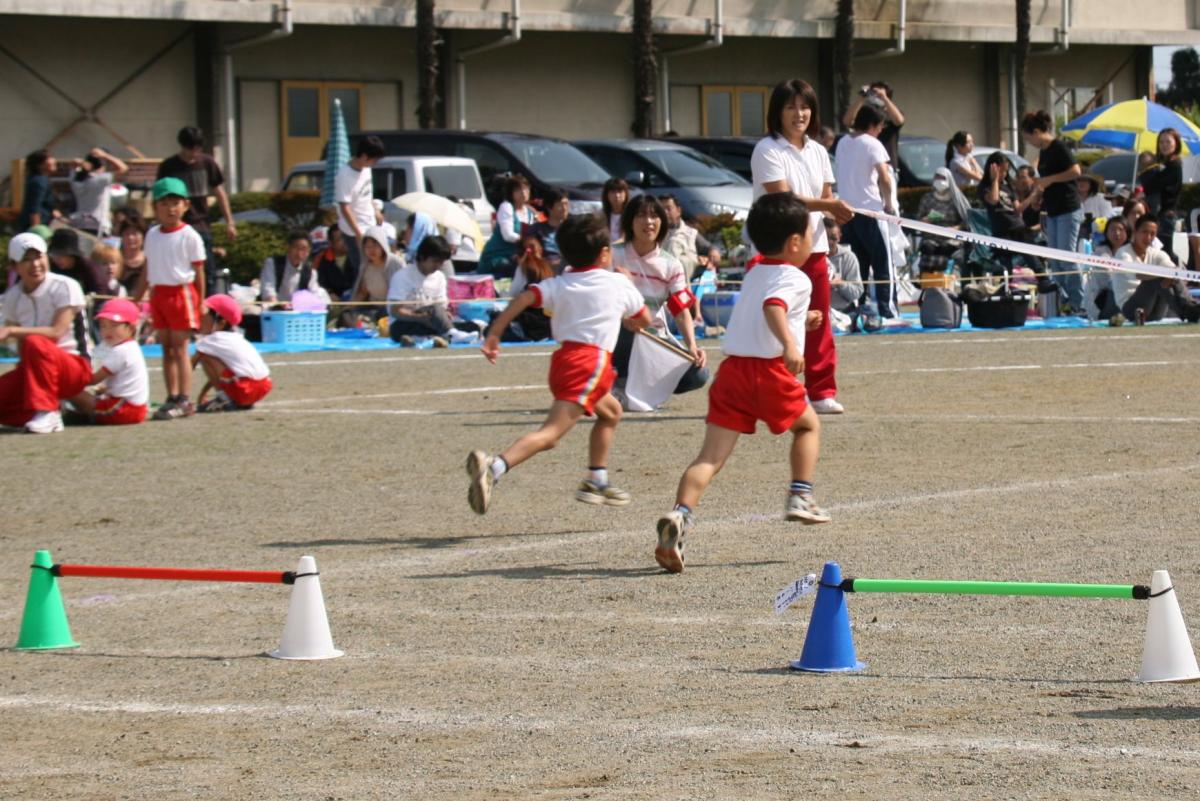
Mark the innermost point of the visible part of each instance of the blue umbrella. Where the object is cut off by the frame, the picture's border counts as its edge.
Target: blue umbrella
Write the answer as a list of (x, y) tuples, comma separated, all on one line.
[(1131, 125), (337, 151)]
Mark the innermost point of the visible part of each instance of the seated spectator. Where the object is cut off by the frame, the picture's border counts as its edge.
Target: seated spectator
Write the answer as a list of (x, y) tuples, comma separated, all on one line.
[(133, 258), (418, 305), (683, 241), (231, 364), (659, 277), (1005, 218), (1030, 198), (1100, 300), (122, 384), (1154, 297), (108, 259), (375, 275), (962, 165), (66, 256), (845, 277), (44, 313), (282, 275), (1133, 210), (335, 272), (532, 324), (1091, 197), (418, 226), (613, 198), (557, 208), (499, 257), (92, 187), (37, 204), (945, 204)]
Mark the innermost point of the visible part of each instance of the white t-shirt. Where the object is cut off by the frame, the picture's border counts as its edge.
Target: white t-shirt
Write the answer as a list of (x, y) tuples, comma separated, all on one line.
[(238, 355), (658, 276), (37, 309), (807, 170), (129, 379), (409, 284), (93, 198), (171, 255), (587, 306), (959, 163), (857, 158), (747, 333), (354, 187)]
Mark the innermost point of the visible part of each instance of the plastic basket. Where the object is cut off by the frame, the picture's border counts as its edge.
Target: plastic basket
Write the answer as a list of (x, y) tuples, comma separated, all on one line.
[(294, 328)]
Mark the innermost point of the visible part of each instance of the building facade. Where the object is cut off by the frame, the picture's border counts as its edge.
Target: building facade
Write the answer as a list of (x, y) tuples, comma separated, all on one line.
[(259, 75)]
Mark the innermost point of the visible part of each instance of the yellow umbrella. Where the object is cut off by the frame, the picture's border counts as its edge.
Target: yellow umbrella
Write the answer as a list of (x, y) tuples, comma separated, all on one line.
[(1131, 125), (443, 211)]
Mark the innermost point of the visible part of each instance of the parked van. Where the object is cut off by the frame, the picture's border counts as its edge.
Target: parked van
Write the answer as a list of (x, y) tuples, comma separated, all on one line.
[(393, 176)]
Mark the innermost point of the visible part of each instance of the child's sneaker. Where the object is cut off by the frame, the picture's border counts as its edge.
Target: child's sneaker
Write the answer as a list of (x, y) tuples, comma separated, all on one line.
[(45, 423), (218, 403), (802, 507), (608, 495), (672, 528), (479, 468), (166, 411)]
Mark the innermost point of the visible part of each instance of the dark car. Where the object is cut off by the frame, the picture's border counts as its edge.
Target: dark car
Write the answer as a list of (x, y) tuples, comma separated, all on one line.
[(732, 151), (702, 185), (546, 162)]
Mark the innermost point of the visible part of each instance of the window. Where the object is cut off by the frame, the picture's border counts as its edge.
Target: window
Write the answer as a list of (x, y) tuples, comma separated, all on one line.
[(389, 183), (733, 110), (456, 180), (305, 116)]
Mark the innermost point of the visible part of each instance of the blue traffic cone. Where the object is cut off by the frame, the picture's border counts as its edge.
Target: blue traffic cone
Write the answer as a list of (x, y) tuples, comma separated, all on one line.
[(829, 646)]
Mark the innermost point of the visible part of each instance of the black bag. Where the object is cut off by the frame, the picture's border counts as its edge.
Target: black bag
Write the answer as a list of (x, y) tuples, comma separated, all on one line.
[(940, 309), (1004, 309)]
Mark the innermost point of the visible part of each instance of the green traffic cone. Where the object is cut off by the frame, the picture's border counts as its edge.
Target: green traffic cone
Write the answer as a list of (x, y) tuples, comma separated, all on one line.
[(44, 624)]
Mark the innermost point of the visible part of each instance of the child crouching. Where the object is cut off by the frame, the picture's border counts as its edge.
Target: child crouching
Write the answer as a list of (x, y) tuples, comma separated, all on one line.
[(759, 378), (231, 364)]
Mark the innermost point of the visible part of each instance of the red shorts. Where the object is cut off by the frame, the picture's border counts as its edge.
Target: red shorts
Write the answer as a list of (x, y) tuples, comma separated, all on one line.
[(175, 308), (112, 411), (581, 374), (747, 390), (244, 392)]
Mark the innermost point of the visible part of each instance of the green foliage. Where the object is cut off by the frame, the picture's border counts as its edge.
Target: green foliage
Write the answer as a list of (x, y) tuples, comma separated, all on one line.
[(1184, 91), (296, 209), (724, 228), (255, 242), (248, 201)]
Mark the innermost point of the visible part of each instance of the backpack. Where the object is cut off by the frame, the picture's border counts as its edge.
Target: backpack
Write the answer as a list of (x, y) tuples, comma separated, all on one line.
[(940, 309)]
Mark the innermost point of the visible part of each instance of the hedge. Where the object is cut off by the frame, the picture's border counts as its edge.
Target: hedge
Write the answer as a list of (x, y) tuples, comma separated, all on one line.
[(245, 255), (296, 209)]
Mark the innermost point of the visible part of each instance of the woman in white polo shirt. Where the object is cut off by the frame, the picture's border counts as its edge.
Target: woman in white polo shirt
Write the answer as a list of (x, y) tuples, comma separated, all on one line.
[(789, 160)]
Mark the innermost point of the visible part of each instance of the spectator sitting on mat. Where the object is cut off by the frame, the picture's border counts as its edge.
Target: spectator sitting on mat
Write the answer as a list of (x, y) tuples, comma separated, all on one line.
[(112, 268), (557, 208), (375, 274), (133, 239), (1099, 300), (845, 276), (945, 205), (1091, 195), (283, 274), (231, 364), (533, 267), (335, 273), (417, 301), (1155, 297)]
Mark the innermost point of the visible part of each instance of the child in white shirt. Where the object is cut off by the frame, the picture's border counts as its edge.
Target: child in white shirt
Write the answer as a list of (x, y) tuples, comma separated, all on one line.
[(123, 385), (231, 364)]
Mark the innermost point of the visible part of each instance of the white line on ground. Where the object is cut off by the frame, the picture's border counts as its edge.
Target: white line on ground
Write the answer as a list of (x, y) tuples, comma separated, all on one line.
[(1020, 418), (421, 394)]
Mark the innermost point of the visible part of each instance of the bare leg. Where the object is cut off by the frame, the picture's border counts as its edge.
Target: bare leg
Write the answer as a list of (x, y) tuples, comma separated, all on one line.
[(562, 418), (806, 445), (718, 444), (604, 430)]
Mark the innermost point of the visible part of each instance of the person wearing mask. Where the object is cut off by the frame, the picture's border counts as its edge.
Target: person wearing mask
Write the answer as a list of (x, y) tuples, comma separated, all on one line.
[(1060, 201), (945, 205), (37, 204), (962, 164), (92, 187), (1162, 183)]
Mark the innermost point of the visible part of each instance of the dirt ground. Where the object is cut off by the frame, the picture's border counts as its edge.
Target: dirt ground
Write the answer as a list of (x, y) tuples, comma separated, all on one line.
[(538, 653)]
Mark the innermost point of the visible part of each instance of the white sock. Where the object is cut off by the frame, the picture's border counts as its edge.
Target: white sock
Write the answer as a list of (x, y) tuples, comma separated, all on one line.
[(598, 476), (499, 468)]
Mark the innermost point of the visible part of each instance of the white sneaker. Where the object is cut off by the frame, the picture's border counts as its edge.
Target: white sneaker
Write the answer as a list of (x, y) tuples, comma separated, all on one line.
[(827, 406), (479, 494), (458, 337), (803, 508), (45, 423)]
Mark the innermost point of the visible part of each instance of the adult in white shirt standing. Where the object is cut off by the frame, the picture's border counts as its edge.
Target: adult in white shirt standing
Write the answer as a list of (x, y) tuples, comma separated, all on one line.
[(92, 187), (789, 160), (352, 191), (865, 182)]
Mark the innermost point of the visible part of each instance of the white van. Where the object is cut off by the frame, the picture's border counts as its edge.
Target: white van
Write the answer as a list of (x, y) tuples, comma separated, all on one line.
[(398, 175)]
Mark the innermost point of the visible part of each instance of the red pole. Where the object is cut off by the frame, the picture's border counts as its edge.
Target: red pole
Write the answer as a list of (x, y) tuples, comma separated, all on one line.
[(174, 573)]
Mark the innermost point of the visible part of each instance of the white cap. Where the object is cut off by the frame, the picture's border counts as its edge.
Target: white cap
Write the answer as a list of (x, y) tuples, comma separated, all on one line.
[(19, 244)]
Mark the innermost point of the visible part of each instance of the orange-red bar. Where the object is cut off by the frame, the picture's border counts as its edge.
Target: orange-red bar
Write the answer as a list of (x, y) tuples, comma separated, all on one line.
[(173, 573)]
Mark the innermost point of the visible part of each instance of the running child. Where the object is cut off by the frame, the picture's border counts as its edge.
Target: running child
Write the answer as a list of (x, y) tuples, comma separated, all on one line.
[(231, 364), (175, 273), (123, 385), (760, 376), (587, 304)]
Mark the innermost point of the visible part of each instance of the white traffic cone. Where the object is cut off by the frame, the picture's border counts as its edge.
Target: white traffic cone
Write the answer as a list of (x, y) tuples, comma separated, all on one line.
[(1168, 654), (306, 633)]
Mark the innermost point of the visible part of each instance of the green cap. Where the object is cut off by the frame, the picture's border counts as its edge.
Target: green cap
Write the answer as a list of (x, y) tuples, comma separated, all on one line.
[(165, 187)]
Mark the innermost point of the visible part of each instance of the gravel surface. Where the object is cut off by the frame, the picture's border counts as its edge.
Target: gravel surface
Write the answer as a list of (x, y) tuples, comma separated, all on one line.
[(538, 652)]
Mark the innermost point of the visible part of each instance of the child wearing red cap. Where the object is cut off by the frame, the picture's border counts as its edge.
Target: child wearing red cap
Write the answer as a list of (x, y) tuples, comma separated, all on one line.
[(122, 383), (232, 365)]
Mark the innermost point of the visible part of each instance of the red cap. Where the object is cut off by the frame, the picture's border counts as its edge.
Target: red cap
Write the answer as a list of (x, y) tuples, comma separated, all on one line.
[(120, 310), (224, 307)]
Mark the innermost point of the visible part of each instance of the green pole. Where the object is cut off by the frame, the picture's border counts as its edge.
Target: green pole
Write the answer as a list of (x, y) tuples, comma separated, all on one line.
[(1137, 591)]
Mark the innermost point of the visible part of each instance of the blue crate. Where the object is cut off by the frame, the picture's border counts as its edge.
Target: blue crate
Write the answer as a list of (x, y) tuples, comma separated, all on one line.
[(294, 328)]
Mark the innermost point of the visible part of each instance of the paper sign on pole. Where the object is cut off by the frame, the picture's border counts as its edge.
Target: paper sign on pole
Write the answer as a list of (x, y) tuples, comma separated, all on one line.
[(797, 589)]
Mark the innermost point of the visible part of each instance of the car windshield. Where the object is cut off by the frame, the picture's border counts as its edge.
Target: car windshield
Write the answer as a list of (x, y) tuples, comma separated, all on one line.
[(1118, 168), (304, 181), (458, 180), (556, 162), (923, 157), (690, 168)]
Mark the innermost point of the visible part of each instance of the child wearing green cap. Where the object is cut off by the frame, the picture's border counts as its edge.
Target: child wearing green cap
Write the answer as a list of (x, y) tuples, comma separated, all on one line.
[(175, 274)]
